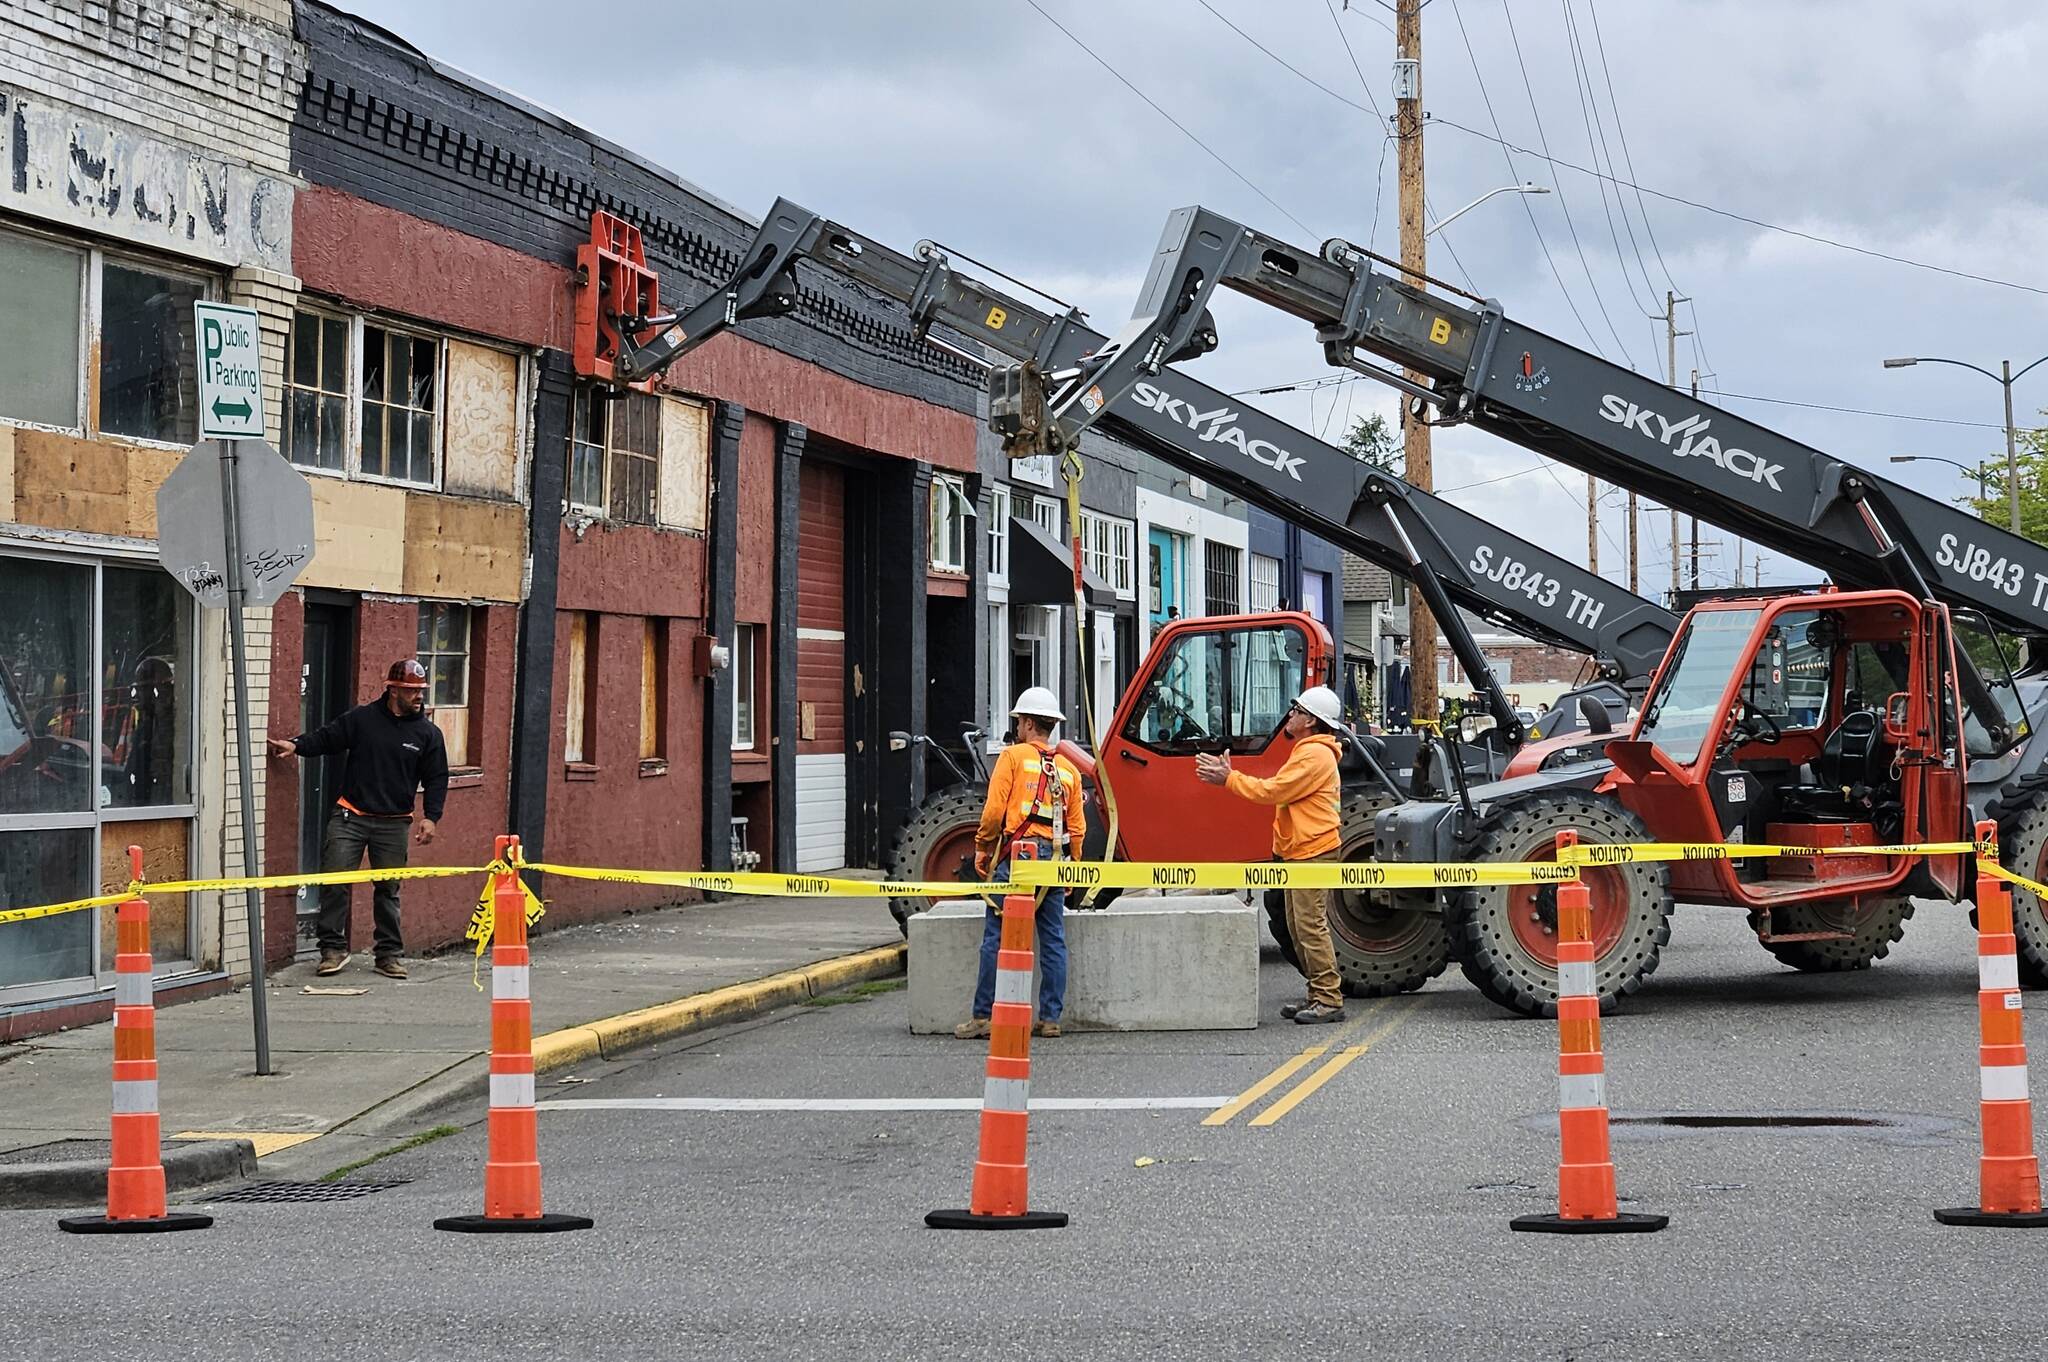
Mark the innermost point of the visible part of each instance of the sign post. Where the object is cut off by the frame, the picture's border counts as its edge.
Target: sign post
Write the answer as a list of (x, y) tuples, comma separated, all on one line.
[(235, 530)]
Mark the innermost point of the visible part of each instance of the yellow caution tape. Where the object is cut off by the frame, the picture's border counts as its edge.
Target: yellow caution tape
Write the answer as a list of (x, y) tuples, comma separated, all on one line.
[(483, 920), (1639, 853), (1998, 872), (54, 909), (779, 885), (1290, 875)]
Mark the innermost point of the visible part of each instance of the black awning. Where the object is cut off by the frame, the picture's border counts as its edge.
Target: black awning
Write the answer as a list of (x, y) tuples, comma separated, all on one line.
[(1042, 570)]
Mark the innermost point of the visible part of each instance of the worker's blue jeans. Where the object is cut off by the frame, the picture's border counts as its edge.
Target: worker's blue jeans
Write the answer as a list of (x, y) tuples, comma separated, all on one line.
[(1051, 949)]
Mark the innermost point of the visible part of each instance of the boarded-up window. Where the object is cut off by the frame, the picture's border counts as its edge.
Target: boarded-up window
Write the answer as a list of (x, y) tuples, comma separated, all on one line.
[(482, 415), (579, 740), (685, 462), (653, 688)]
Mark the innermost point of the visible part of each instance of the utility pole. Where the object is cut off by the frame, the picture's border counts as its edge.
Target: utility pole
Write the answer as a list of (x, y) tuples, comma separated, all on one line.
[(1415, 435), (1671, 335), (1694, 519), (2012, 465)]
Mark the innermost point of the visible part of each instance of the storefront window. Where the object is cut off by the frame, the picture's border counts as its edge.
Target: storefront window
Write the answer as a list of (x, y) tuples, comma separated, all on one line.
[(46, 729), (39, 293), (46, 867), (146, 663), (147, 384)]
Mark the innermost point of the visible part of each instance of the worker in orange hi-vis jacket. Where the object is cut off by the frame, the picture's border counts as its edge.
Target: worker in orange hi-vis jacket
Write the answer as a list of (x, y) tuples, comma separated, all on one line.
[(1034, 798), (1305, 794)]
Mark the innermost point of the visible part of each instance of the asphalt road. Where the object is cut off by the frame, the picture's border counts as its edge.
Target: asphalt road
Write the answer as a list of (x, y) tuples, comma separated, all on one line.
[(1367, 1219)]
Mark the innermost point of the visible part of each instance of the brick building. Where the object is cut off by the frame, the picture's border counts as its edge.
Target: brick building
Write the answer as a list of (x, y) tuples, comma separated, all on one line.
[(144, 165)]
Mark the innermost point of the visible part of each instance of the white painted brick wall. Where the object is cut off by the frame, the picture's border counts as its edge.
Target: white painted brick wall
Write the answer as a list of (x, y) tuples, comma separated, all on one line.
[(223, 77)]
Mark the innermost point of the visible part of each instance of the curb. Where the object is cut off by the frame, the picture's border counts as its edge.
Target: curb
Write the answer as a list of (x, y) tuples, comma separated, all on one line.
[(611, 1037), (83, 1182)]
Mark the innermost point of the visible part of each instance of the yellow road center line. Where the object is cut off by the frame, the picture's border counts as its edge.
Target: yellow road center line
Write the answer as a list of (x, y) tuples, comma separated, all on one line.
[(1335, 1066), (1265, 1085), (1225, 1114)]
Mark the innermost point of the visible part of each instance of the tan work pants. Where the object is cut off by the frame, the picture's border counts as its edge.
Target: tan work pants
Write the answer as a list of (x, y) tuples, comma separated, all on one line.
[(1308, 922)]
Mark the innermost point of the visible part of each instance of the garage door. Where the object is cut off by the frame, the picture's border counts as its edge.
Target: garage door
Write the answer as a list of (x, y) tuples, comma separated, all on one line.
[(821, 668)]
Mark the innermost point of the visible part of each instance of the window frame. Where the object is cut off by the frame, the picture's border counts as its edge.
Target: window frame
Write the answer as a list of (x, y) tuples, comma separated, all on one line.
[(426, 659), (609, 452), (1000, 509), (356, 348), (745, 642), (351, 390), (92, 326), (1254, 583), (949, 507)]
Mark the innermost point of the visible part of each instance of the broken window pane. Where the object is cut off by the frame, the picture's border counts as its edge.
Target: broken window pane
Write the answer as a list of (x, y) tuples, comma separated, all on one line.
[(316, 396), (148, 374), (39, 290), (399, 376)]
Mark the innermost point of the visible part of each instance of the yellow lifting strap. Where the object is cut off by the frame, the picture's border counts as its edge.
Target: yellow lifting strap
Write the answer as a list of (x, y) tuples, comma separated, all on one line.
[(1072, 471)]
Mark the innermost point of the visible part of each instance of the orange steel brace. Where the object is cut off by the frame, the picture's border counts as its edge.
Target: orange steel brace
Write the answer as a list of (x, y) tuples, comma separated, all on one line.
[(135, 1172), (1586, 1202), (613, 281), (1000, 1199), (512, 1166), (2008, 1173)]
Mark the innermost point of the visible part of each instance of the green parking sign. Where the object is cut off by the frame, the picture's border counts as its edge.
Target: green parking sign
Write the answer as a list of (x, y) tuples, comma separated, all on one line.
[(230, 372)]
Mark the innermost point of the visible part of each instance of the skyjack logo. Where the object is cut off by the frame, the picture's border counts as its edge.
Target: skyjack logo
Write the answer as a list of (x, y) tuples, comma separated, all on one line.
[(1218, 427), (1692, 440)]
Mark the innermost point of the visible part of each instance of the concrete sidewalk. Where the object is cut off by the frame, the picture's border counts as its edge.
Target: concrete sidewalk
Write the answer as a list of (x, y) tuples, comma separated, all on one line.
[(362, 1059)]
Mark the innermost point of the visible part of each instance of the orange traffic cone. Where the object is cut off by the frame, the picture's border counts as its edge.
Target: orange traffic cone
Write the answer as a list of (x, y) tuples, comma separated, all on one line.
[(135, 1173), (1585, 1173), (512, 1168), (999, 1197), (2009, 1176)]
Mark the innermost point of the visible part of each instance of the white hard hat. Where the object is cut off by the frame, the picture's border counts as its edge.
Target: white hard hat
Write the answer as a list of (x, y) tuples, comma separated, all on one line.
[(1321, 702), (1037, 703)]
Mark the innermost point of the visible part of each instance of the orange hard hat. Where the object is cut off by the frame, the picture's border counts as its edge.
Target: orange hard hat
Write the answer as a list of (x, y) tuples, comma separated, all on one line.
[(406, 674)]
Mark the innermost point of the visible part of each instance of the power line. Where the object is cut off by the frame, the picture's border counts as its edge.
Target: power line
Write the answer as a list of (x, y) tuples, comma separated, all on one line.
[(1564, 204), (1379, 176), (1858, 411), (1516, 175), (1732, 215), (1126, 83), (1340, 98), (1596, 127)]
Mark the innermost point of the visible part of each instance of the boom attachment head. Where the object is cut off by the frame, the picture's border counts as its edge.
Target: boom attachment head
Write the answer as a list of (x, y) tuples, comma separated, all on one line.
[(615, 297)]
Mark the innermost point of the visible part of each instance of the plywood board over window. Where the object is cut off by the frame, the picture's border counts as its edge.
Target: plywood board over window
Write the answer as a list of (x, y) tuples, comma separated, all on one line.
[(482, 414), (685, 462), (165, 856)]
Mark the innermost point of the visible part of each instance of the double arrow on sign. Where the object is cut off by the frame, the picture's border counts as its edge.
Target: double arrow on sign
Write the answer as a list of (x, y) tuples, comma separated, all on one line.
[(235, 409)]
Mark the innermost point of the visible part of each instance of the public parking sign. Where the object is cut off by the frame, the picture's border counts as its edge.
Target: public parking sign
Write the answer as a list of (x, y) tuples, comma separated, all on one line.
[(230, 372)]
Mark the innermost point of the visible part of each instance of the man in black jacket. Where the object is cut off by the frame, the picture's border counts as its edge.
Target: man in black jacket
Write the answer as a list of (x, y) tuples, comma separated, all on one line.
[(394, 750)]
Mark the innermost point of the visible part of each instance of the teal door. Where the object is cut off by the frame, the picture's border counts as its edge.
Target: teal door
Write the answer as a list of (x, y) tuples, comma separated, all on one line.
[(1164, 552)]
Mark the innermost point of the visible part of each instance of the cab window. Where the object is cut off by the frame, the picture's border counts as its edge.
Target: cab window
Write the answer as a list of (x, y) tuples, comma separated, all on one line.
[(1220, 690)]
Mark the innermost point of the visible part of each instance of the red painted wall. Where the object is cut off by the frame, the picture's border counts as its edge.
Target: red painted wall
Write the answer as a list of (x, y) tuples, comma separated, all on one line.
[(421, 269), (433, 912)]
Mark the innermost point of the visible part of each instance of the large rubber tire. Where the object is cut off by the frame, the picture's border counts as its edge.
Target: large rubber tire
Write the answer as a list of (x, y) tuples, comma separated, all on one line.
[(2022, 815), (1500, 932), (1872, 923), (936, 844), (1381, 948)]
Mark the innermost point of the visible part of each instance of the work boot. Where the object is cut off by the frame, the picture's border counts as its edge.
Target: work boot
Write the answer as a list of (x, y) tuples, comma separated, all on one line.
[(975, 1028), (1314, 1014), (330, 963), (391, 967), (1049, 1029), (1289, 1010)]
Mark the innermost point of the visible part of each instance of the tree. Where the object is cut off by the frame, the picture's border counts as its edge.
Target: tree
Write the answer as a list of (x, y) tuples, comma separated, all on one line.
[(2032, 461), (1370, 441)]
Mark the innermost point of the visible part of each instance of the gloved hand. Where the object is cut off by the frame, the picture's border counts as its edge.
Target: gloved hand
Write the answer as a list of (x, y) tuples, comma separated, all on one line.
[(981, 864)]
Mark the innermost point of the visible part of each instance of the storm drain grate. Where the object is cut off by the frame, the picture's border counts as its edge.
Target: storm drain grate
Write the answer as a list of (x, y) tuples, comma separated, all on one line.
[(347, 1190)]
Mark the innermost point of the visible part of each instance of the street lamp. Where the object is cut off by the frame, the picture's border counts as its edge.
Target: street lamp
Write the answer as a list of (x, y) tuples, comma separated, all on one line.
[(1526, 187), (2005, 379), (1977, 472)]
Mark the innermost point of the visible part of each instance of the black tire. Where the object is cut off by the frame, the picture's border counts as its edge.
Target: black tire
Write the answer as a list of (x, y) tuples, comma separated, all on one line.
[(2023, 849), (1486, 945), (1872, 923), (940, 822), (1382, 946)]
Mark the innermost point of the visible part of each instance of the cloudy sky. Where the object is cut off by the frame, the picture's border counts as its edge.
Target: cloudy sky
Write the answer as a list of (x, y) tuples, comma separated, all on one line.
[(1902, 129)]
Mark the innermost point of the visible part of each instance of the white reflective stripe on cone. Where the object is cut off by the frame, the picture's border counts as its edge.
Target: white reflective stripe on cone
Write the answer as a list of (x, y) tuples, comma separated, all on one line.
[(1006, 1094), (1575, 978), (1013, 986), (511, 1090), (1581, 1090), (134, 990), (134, 1096), (511, 981), (2004, 1082), (1998, 972)]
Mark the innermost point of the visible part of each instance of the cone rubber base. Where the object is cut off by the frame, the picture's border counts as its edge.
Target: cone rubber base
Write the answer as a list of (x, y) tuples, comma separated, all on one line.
[(1624, 1223), (2016, 1220), (968, 1220), (163, 1224), (484, 1224)]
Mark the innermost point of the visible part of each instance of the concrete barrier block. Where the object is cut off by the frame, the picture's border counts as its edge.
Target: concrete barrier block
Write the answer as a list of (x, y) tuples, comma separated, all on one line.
[(1180, 962)]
